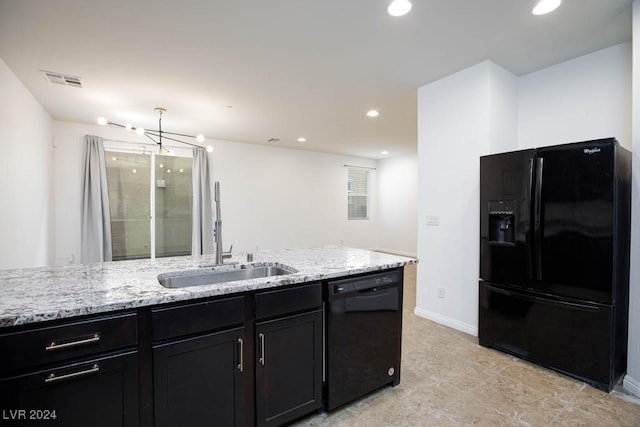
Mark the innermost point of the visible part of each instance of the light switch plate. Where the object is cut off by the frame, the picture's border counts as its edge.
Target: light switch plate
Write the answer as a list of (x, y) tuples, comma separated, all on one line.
[(432, 220)]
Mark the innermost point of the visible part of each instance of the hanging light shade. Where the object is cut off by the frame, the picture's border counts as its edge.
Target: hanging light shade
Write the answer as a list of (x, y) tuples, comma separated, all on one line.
[(543, 7), (399, 7), (158, 135)]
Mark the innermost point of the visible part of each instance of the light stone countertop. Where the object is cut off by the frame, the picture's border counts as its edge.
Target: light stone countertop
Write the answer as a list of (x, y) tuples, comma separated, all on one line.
[(40, 294)]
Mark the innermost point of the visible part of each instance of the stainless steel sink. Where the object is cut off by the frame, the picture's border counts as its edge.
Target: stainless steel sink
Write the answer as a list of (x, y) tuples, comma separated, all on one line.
[(181, 279)]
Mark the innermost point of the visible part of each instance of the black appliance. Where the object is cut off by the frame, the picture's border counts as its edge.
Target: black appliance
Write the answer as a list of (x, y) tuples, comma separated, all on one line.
[(554, 257), (363, 336)]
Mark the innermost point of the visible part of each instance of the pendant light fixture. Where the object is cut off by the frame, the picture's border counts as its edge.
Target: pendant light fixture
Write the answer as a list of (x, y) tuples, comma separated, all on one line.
[(158, 135), (399, 7), (543, 7)]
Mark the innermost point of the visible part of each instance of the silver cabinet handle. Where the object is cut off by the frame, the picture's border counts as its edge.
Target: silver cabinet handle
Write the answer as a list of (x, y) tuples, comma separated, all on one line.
[(241, 364), (55, 346), (55, 378), (261, 336)]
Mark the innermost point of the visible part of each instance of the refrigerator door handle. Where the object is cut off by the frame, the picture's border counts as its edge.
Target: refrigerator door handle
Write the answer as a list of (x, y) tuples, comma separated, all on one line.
[(537, 232), (529, 236), (542, 300)]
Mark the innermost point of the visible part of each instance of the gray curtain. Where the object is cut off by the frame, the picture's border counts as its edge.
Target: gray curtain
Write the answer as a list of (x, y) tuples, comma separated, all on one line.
[(96, 221), (202, 224)]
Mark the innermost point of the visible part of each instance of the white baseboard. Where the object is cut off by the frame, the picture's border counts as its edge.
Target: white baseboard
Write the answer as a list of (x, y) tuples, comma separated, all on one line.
[(632, 385), (447, 321)]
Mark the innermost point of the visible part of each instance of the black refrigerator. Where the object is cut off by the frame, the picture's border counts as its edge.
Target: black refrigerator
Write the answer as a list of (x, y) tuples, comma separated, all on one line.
[(554, 257)]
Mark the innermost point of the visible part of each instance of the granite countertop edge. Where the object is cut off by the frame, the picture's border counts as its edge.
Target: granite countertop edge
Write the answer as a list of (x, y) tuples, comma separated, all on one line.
[(49, 293)]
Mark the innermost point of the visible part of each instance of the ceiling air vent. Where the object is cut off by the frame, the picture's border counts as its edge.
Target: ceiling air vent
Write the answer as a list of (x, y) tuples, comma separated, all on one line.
[(62, 79)]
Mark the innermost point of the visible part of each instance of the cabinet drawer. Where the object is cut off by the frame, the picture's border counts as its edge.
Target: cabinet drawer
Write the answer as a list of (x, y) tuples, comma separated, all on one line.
[(98, 392), (285, 301), (41, 346), (189, 319)]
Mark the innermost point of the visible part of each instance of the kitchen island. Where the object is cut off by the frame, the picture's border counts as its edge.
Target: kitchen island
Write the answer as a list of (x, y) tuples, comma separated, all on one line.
[(247, 352)]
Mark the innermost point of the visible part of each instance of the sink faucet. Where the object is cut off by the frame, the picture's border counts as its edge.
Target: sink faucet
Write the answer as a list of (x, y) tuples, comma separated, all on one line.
[(217, 229)]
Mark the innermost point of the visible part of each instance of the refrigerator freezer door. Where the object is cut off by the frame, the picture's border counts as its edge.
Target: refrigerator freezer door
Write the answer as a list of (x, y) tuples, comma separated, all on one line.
[(505, 212), (563, 334), (574, 223)]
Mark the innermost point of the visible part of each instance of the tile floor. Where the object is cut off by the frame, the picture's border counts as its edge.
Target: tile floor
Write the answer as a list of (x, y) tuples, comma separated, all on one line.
[(447, 379)]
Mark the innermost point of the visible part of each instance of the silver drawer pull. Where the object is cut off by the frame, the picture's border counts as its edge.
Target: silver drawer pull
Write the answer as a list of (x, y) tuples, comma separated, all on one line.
[(54, 378), (261, 336), (55, 346), (241, 364)]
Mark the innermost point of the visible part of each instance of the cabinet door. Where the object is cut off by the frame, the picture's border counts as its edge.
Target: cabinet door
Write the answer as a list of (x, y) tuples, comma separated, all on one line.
[(288, 368), (199, 381), (99, 392)]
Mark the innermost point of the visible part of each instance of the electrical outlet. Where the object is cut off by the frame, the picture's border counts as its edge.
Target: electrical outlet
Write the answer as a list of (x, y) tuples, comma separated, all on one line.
[(440, 292)]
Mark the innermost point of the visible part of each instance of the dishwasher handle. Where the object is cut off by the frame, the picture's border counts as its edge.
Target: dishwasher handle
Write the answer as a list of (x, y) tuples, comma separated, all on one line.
[(367, 284), (342, 289)]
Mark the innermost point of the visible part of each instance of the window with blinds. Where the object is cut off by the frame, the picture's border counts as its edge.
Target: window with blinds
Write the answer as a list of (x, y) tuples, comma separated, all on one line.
[(358, 193)]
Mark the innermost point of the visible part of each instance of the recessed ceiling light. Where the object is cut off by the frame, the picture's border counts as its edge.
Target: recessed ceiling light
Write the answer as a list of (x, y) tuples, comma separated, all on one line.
[(301, 139), (399, 7), (140, 131), (200, 138), (209, 148), (384, 152), (102, 121), (543, 7), (373, 113)]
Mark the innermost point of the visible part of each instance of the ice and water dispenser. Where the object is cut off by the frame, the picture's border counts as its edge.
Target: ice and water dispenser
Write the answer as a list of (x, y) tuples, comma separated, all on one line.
[(502, 222)]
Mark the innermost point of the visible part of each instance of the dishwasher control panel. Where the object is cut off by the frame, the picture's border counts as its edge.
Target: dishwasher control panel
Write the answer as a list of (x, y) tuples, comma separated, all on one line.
[(370, 282)]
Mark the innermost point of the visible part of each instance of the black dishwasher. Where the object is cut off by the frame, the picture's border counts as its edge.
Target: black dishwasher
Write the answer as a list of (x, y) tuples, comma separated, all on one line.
[(363, 335)]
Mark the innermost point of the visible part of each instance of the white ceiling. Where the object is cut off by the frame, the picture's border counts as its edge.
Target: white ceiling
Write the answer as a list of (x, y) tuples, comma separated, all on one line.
[(287, 68)]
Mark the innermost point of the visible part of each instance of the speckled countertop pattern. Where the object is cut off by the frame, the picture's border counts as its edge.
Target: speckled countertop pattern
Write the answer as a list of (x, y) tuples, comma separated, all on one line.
[(40, 294)]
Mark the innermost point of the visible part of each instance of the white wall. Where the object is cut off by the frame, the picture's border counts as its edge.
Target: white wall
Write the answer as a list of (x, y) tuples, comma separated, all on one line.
[(503, 107), (632, 379), (585, 98), (26, 175), (271, 197), (397, 207), (277, 197), (458, 119)]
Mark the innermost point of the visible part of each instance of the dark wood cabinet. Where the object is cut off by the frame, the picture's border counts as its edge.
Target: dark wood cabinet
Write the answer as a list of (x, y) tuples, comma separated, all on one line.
[(199, 381), (72, 373), (288, 368), (39, 345), (98, 392), (216, 362), (199, 363), (288, 362)]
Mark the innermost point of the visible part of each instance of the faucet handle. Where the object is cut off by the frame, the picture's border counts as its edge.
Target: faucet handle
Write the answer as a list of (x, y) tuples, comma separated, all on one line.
[(227, 254)]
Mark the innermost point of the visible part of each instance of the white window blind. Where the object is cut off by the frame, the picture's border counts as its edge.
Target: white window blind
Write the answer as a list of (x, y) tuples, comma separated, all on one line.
[(358, 193)]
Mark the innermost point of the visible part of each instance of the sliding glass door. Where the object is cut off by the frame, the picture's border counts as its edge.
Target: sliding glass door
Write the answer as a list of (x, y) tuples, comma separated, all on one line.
[(173, 202), (150, 199)]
